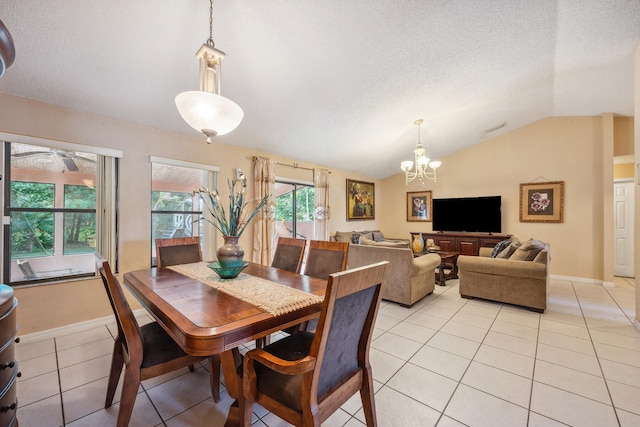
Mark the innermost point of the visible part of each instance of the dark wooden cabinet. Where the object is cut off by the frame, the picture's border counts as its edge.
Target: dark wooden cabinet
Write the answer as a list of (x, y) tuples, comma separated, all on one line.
[(8, 364), (463, 243)]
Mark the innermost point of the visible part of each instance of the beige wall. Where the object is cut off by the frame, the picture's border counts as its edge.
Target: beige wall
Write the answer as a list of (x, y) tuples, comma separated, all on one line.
[(623, 170), (54, 305), (493, 167), (568, 149), (624, 129)]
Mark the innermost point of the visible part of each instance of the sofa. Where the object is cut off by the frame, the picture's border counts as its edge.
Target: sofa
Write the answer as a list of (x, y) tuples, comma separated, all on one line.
[(369, 237), (408, 279), (516, 274)]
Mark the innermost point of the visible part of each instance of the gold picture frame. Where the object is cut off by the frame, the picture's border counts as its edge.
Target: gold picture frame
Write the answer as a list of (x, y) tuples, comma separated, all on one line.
[(542, 201), (419, 206), (360, 200)]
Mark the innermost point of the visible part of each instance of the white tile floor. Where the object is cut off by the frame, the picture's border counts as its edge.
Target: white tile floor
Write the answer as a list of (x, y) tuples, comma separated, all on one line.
[(447, 361)]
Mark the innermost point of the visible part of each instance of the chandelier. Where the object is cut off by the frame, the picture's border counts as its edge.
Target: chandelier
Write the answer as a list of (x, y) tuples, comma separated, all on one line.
[(205, 109), (424, 169)]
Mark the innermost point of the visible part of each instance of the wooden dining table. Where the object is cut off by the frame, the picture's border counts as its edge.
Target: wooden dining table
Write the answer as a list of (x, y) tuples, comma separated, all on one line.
[(205, 321)]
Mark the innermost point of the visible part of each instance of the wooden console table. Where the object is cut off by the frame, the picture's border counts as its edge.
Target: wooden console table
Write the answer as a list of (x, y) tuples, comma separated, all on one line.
[(463, 243)]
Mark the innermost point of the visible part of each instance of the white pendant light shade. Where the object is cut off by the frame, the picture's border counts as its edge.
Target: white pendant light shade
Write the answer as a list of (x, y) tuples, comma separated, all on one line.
[(209, 113)]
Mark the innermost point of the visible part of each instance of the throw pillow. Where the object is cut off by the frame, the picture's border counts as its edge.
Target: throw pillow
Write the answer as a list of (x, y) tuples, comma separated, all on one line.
[(528, 250), (508, 251), (355, 238), (364, 240), (367, 234), (378, 236), (343, 236), (500, 247)]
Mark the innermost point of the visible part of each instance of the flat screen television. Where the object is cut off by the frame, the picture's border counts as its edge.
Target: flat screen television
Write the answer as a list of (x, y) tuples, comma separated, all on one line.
[(473, 214)]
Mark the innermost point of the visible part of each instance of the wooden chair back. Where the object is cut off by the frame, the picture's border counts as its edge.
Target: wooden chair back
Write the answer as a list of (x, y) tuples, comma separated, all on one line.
[(325, 258), (146, 351), (305, 377), (178, 250), (289, 254), (129, 335)]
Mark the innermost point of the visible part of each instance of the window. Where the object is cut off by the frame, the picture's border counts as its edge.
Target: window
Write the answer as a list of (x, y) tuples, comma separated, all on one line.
[(294, 210), (79, 219), (175, 210), (51, 202)]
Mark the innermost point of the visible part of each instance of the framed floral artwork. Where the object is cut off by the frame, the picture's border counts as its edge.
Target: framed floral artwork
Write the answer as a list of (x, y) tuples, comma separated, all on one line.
[(542, 201), (419, 206), (360, 200)]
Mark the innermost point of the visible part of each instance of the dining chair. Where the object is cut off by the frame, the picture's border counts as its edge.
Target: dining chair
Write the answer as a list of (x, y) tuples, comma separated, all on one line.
[(178, 250), (326, 257), (289, 254), (146, 351), (306, 377)]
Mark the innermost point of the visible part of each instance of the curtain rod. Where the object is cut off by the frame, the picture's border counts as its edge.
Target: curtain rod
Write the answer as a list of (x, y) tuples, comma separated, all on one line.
[(292, 165)]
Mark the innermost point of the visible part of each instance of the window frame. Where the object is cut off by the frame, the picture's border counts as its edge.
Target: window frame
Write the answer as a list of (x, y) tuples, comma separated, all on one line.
[(208, 237), (297, 184), (106, 211)]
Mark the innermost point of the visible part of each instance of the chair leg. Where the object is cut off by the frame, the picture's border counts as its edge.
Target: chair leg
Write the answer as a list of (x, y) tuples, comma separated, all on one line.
[(128, 397), (114, 374), (247, 412), (214, 377), (192, 368), (367, 398)]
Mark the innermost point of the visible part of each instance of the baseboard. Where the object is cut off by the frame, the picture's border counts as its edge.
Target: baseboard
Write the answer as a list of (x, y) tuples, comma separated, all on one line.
[(74, 327), (578, 279)]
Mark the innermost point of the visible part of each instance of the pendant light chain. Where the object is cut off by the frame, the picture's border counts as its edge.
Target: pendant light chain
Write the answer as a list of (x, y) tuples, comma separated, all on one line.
[(210, 40)]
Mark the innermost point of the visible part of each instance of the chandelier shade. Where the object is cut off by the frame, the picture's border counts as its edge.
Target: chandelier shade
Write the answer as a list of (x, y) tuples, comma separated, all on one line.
[(425, 168), (206, 110), (209, 113)]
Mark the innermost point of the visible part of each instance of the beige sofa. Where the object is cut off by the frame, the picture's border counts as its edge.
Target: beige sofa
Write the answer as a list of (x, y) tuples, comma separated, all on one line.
[(408, 279), (509, 280), (373, 238)]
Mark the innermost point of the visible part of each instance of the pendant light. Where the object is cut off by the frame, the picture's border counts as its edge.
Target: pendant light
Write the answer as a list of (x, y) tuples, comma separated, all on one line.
[(205, 109)]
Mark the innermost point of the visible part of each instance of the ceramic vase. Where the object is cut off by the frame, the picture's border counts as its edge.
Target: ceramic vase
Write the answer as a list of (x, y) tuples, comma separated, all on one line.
[(231, 254), (418, 244)]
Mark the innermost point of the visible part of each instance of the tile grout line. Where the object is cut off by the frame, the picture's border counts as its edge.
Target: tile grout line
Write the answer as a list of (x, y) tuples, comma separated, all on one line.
[(604, 378), (55, 349)]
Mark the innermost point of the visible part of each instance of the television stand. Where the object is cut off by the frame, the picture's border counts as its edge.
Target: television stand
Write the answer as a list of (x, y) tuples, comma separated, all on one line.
[(465, 243)]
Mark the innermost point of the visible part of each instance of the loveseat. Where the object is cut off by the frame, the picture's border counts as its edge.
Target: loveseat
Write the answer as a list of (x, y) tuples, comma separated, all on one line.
[(517, 274), (367, 237), (407, 280)]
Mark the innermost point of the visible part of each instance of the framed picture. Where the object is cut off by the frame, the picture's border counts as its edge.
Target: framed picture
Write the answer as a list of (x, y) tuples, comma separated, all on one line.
[(542, 201), (419, 206), (360, 200)]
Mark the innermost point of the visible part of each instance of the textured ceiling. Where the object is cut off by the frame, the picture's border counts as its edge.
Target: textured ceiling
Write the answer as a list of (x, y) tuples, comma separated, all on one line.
[(337, 83)]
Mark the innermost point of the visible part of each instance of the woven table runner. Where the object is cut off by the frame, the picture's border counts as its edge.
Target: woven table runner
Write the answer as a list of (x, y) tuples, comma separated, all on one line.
[(272, 297)]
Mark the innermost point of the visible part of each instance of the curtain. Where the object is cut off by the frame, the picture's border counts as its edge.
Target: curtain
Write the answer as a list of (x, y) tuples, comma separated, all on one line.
[(321, 212), (264, 176)]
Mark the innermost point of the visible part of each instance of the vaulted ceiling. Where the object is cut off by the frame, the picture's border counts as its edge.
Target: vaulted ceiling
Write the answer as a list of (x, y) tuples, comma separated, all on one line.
[(335, 82)]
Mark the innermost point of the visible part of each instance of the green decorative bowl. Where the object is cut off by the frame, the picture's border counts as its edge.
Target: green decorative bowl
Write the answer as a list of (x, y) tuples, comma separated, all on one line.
[(227, 273)]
